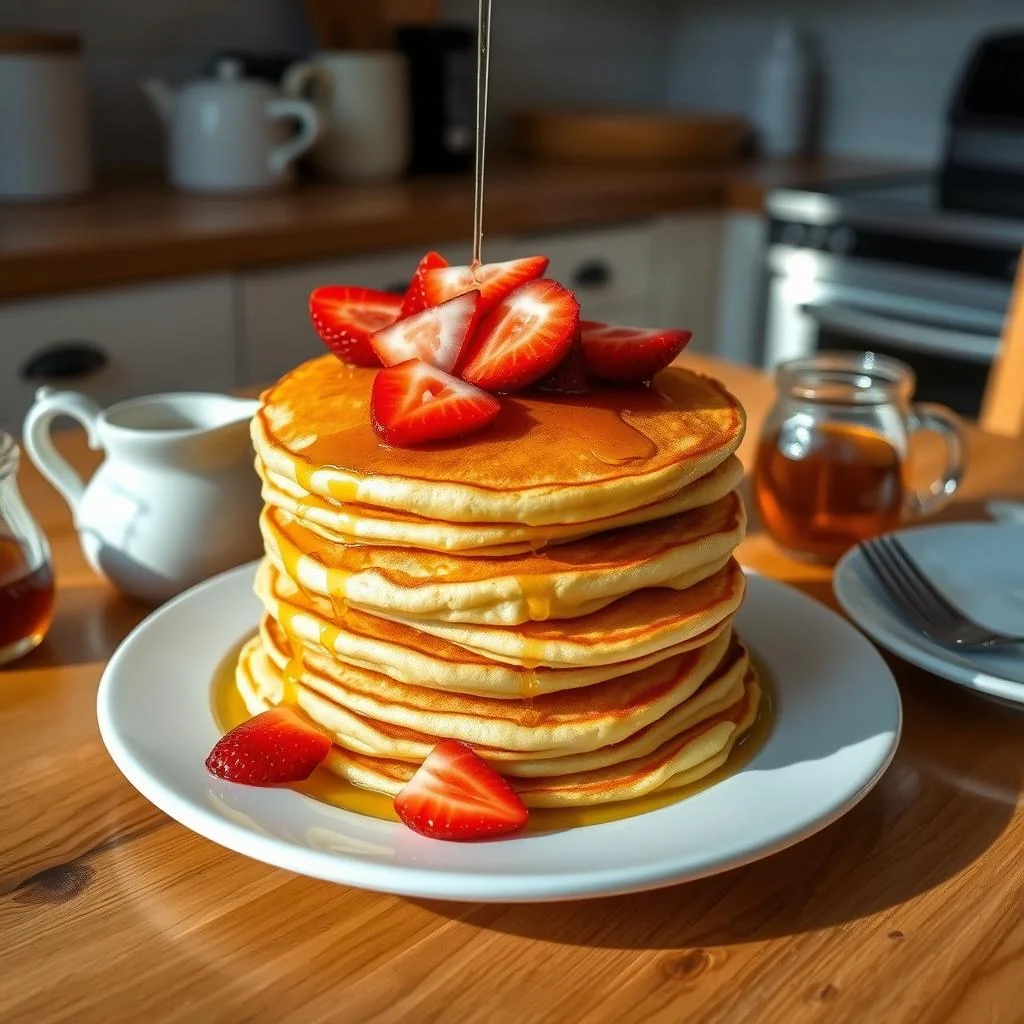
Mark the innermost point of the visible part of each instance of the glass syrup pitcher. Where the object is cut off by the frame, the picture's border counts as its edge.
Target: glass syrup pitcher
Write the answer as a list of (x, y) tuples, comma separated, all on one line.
[(26, 576)]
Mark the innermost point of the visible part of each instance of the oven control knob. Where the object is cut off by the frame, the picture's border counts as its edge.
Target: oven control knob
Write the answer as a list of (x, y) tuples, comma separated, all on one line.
[(841, 240)]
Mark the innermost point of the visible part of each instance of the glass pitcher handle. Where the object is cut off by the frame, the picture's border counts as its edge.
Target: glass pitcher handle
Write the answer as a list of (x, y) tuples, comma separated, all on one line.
[(943, 421)]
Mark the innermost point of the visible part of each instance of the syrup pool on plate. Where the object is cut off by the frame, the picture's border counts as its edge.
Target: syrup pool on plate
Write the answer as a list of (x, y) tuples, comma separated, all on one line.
[(229, 710)]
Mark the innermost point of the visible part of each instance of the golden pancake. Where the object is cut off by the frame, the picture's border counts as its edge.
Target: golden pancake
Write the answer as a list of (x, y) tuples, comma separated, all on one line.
[(260, 680), (566, 581), (411, 656), (358, 524), (638, 624), (573, 721), (681, 760), (544, 460)]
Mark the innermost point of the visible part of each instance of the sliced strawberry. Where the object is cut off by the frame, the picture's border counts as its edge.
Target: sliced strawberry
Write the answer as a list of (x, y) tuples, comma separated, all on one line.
[(413, 402), (569, 377), (437, 334), (494, 280), (456, 795), (345, 317), (414, 299), (629, 355), (277, 746), (524, 337)]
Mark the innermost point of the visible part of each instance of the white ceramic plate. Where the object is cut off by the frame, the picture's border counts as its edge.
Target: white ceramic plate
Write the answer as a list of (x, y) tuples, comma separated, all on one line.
[(837, 726), (980, 566)]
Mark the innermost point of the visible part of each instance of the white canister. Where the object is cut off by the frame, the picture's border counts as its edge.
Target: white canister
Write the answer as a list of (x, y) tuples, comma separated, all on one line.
[(363, 98), (44, 132)]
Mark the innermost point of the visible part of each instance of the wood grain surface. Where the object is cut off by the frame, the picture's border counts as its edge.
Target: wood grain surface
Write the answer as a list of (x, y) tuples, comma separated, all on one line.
[(909, 909), (139, 229)]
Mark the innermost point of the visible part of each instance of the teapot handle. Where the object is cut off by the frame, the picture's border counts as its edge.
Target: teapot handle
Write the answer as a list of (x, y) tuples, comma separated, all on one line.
[(50, 404), (309, 130)]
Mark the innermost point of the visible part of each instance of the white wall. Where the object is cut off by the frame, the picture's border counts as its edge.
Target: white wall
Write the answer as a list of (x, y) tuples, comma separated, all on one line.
[(889, 65), (551, 52), (544, 51)]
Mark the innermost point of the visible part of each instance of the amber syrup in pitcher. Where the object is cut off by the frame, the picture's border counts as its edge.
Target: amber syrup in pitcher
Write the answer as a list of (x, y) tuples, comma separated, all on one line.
[(26, 600), (842, 486)]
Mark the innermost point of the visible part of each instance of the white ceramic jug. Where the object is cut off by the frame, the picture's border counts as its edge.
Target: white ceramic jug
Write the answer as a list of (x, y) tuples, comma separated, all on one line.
[(229, 133), (176, 499)]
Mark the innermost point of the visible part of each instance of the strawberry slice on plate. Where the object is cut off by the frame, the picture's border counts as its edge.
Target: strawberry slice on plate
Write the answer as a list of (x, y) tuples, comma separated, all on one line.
[(493, 280), (456, 795), (414, 402), (279, 745), (437, 334), (345, 317), (414, 299), (629, 355), (524, 337)]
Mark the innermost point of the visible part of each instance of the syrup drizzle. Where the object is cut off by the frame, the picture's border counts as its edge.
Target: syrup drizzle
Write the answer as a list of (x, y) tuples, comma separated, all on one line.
[(483, 70), (622, 446)]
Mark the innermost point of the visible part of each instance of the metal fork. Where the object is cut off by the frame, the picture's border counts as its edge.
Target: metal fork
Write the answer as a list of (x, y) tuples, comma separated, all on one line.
[(922, 603)]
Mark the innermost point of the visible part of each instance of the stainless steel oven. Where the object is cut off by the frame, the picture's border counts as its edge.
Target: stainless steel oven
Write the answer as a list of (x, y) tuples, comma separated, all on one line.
[(881, 267)]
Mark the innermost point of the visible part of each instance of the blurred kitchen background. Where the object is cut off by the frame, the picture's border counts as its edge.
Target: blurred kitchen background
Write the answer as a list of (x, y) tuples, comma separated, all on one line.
[(777, 175)]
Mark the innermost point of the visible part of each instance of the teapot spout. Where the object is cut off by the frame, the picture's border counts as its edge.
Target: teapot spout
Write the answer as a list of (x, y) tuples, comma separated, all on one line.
[(160, 95)]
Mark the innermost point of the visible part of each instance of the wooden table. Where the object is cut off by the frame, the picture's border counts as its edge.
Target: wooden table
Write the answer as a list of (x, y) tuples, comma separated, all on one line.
[(911, 908)]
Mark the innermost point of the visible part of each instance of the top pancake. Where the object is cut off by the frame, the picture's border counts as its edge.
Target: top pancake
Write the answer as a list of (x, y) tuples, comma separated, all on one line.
[(543, 461)]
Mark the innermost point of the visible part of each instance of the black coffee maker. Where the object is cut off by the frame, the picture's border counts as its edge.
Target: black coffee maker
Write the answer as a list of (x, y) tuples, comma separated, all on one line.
[(442, 91)]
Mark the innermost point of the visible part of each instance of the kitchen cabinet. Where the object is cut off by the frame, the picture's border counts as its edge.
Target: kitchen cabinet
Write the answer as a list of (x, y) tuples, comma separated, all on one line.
[(119, 342)]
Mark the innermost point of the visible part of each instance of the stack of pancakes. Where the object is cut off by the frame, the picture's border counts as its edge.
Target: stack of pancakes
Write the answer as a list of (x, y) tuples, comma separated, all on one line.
[(556, 591)]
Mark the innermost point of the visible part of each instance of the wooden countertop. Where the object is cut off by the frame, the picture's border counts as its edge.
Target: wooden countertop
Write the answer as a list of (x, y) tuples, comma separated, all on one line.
[(908, 909), (138, 229)]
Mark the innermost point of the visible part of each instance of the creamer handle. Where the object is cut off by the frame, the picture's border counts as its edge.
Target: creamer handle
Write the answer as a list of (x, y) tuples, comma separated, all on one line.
[(50, 404)]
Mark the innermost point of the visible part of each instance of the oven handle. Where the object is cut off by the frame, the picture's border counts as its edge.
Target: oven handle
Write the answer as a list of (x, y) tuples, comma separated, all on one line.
[(976, 348)]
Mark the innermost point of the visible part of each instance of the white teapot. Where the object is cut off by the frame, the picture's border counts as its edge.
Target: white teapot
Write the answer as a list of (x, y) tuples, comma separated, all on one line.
[(229, 134), (176, 499)]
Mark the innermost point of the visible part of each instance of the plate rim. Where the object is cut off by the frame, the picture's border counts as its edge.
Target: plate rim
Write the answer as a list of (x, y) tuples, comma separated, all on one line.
[(847, 579), (408, 881)]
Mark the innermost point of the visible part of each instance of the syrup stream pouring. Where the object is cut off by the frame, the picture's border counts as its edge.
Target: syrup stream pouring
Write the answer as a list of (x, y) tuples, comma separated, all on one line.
[(483, 65)]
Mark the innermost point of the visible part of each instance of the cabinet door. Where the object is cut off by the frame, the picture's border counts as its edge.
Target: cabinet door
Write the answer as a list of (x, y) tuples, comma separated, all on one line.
[(119, 342), (607, 268), (685, 278), (741, 297), (275, 305)]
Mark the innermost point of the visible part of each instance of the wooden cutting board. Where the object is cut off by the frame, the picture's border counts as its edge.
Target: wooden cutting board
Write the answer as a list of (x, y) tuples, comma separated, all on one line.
[(634, 137)]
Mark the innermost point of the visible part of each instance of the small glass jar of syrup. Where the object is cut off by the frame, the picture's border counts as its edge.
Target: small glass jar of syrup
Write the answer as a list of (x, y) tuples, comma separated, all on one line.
[(26, 576), (835, 464)]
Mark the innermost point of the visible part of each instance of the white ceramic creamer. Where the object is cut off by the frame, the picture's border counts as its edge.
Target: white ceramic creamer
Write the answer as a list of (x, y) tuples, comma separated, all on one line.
[(175, 500)]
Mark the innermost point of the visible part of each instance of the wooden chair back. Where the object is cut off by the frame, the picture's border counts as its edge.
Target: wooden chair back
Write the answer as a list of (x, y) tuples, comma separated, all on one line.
[(1002, 410)]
